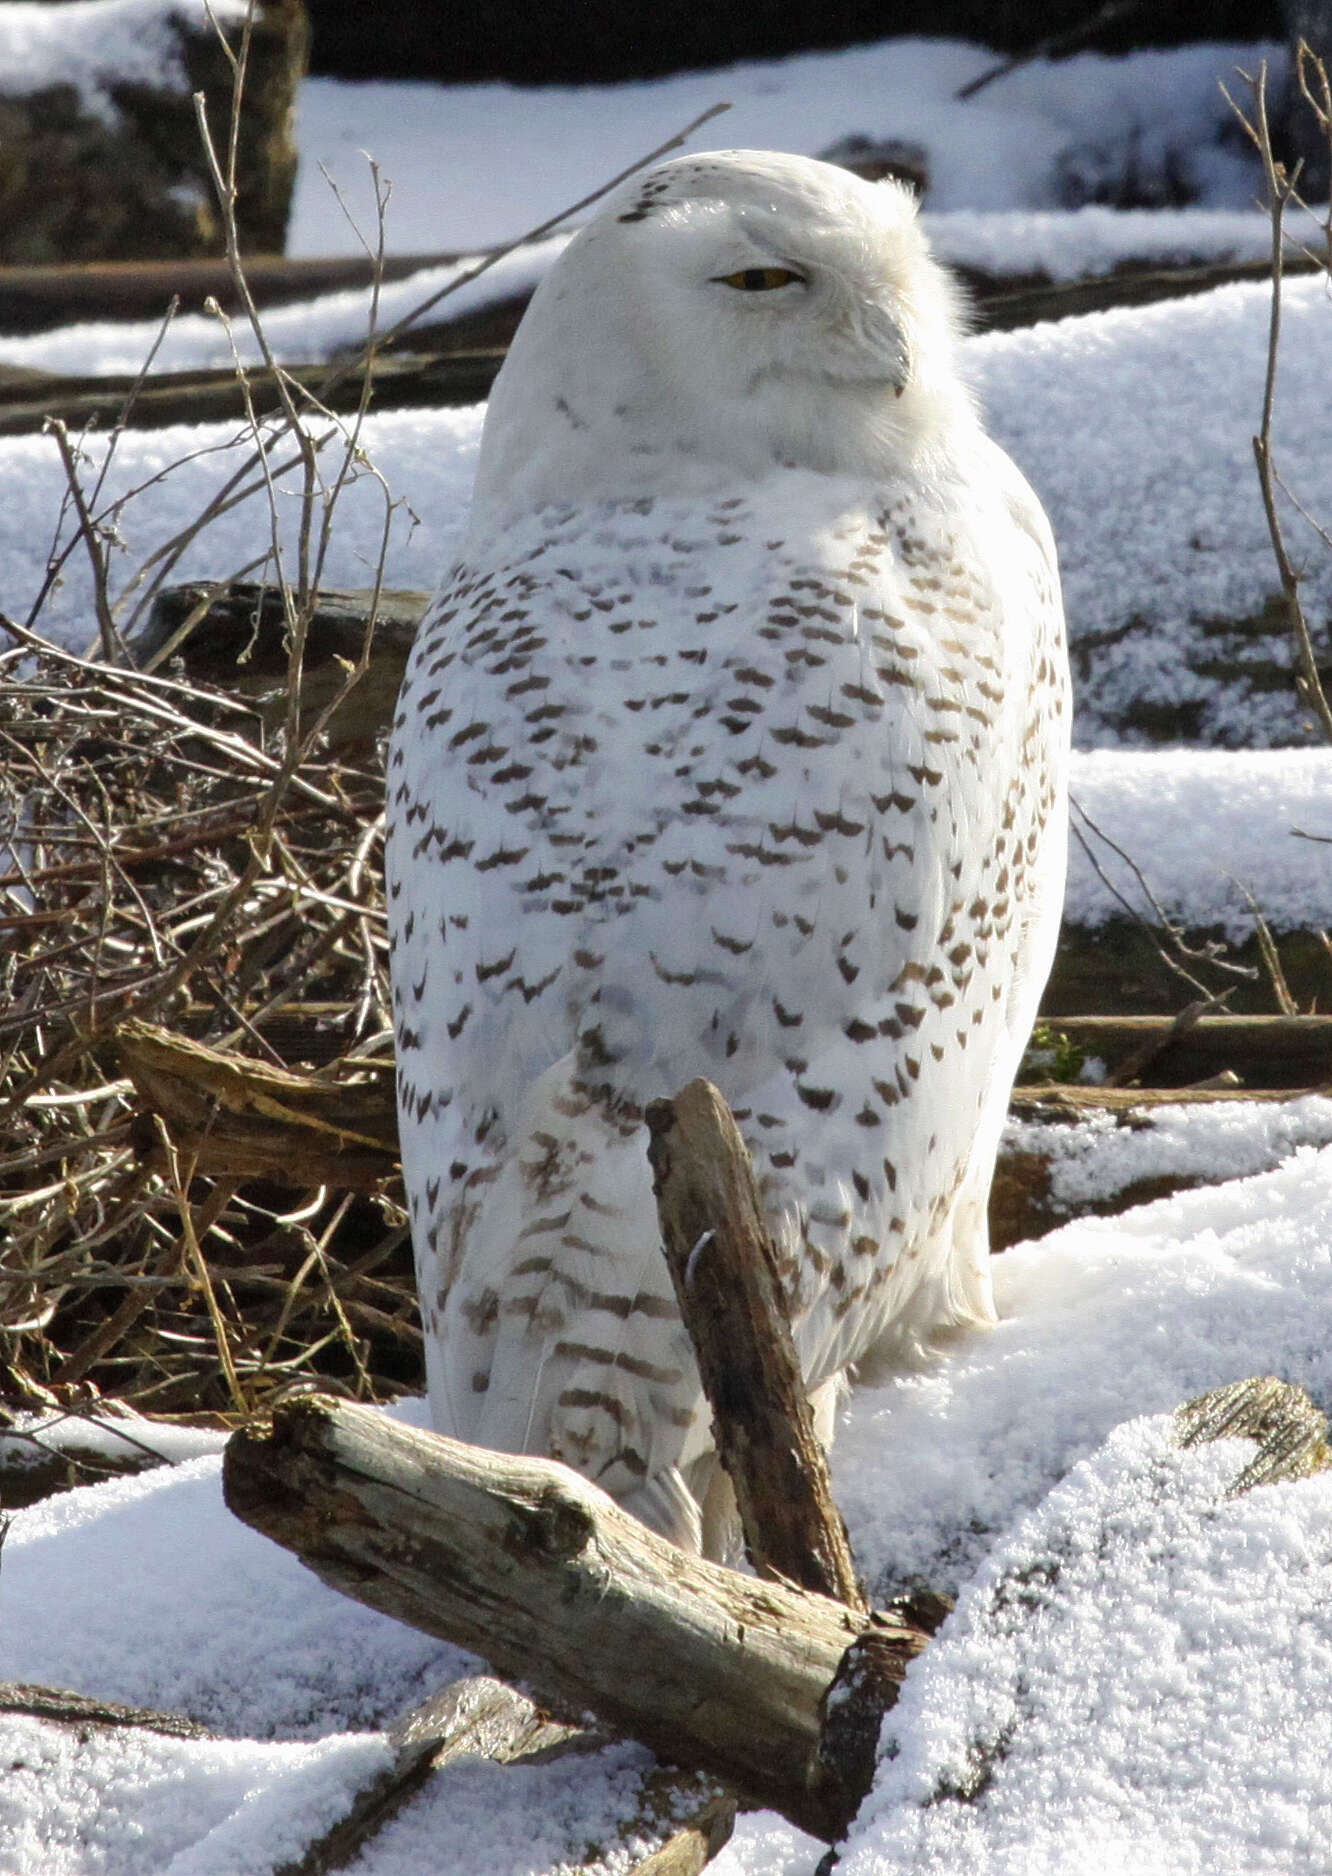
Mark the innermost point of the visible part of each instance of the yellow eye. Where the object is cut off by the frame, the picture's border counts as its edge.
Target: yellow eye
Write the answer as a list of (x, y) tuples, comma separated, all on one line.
[(760, 279)]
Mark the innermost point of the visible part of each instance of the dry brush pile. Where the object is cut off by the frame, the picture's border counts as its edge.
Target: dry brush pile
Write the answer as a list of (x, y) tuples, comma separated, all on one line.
[(165, 861)]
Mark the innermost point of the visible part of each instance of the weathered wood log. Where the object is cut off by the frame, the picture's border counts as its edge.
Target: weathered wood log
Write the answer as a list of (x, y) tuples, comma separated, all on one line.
[(1004, 306), (1290, 1433), (40, 298), (399, 380), (481, 1718), (727, 1280), (1269, 1051), (689, 1850), (1117, 968), (525, 1563), (36, 299), (233, 1116), (61, 1707), (528, 1564)]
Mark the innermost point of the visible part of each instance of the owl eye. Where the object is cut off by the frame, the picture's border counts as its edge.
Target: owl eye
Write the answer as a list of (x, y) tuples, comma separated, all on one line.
[(760, 279)]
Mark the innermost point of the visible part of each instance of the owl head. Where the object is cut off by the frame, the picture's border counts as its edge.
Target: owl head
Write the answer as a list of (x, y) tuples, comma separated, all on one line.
[(731, 314)]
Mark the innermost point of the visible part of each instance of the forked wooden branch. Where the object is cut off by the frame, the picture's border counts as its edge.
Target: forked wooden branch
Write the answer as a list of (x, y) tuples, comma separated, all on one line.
[(530, 1566), (728, 1285)]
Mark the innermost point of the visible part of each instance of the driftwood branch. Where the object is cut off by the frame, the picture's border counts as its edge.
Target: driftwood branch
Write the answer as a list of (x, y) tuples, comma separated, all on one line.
[(724, 1267), (527, 1564)]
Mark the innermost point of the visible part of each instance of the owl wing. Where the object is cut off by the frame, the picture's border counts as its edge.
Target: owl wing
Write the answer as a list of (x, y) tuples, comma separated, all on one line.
[(681, 789)]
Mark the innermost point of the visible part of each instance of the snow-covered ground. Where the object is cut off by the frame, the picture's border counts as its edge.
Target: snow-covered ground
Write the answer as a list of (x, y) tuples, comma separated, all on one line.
[(1156, 1704), (1160, 1705), (476, 165)]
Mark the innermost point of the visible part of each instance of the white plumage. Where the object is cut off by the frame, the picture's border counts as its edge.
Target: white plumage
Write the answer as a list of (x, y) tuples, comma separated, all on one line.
[(734, 745)]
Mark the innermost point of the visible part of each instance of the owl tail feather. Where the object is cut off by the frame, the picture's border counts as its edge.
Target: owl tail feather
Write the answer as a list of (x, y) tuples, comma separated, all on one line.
[(694, 1507), (666, 1505)]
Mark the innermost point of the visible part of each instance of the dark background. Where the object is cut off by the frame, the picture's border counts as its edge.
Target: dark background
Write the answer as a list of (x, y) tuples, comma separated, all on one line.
[(571, 41)]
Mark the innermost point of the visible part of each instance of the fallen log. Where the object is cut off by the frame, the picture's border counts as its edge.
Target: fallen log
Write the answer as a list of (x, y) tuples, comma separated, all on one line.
[(1005, 305), (41, 298), (525, 1563), (233, 1116), (399, 381), (529, 1565), (60, 1706), (1268, 1051), (475, 1718), (37, 299)]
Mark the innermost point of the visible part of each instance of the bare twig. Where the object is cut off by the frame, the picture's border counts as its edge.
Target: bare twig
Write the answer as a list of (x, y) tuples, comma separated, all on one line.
[(1281, 189)]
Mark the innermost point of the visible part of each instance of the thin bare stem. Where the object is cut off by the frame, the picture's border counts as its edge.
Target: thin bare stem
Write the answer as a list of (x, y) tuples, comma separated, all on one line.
[(1281, 189)]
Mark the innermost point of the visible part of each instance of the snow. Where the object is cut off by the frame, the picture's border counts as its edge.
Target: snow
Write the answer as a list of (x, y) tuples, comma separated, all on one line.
[(1100, 1321), (1137, 1652), (146, 1590), (1196, 1626), (1207, 1144), (1135, 427), (472, 166), (1082, 243), (138, 1801), (122, 1439), (93, 44), (1207, 829), (1134, 1679)]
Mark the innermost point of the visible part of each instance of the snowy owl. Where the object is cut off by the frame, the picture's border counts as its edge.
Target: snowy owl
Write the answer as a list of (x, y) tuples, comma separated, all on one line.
[(734, 745)]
